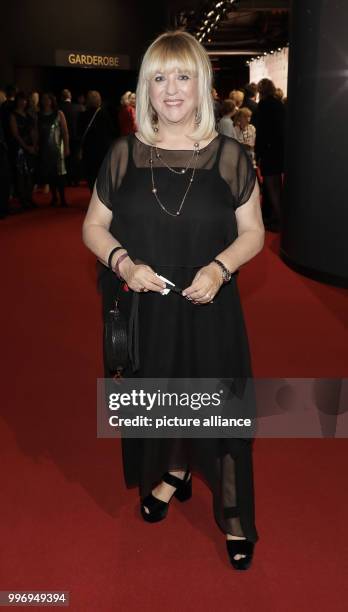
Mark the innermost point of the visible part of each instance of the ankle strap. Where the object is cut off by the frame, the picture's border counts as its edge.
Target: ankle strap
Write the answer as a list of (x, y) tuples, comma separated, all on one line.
[(174, 481)]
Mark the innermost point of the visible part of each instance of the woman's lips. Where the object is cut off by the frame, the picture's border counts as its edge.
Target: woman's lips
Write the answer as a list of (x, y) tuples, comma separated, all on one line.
[(173, 102)]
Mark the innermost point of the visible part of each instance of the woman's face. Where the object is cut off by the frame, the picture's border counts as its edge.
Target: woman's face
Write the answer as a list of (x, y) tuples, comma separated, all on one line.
[(174, 96), (132, 100), (46, 103), (244, 121), (22, 104)]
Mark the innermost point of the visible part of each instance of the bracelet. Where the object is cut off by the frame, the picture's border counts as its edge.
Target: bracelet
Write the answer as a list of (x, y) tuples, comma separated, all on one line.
[(112, 254), (226, 274), (117, 269)]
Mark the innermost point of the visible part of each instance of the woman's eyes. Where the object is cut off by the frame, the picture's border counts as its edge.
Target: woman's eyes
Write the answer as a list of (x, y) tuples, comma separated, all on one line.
[(182, 77)]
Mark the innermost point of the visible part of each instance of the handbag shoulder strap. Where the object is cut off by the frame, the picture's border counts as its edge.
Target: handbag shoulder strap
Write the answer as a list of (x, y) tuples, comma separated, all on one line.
[(89, 125)]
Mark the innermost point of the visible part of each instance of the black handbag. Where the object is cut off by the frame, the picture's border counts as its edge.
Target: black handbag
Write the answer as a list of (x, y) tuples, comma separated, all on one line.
[(115, 339), (121, 336)]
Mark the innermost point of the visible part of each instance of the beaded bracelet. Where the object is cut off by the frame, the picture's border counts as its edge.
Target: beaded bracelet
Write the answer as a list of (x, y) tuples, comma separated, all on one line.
[(112, 254)]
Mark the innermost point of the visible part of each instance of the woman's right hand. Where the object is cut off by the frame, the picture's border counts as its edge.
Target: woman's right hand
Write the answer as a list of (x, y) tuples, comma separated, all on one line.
[(140, 277)]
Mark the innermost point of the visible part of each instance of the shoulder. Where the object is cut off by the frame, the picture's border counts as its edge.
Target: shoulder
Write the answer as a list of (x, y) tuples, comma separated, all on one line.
[(231, 146), (120, 144), (118, 150)]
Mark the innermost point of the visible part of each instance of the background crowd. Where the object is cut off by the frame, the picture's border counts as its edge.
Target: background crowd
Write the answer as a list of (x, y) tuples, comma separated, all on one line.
[(48, 144)]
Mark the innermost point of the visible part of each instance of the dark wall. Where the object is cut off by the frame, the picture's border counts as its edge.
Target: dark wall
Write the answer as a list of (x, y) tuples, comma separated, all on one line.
[(314, 237), (33, 30)]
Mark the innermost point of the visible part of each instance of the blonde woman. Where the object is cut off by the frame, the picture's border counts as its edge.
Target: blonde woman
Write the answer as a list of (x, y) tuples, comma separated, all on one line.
[(126, 115), (237, 96), (178, 199), (245, 131)]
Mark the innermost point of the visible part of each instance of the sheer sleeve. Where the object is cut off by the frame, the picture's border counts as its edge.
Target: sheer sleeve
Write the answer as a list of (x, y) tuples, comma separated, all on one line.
[(112, 171), (236, 169)]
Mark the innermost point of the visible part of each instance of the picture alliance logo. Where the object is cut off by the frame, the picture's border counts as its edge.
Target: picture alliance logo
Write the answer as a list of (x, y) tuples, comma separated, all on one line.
[(161, 399)]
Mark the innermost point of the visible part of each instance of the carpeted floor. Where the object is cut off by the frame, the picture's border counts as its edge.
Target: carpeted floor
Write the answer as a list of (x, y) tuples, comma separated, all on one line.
[(67, 520)]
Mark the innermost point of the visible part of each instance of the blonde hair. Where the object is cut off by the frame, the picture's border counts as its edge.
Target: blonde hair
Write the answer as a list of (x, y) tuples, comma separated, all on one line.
[(242, 112), (179, 50), (237, 96), (125, 98)]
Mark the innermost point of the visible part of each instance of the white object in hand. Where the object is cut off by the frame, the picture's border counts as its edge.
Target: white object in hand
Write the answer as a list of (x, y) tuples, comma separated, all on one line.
[(167, 289)]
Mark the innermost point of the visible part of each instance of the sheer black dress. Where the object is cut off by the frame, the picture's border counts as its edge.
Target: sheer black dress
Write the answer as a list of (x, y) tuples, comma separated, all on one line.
[(208, 340)]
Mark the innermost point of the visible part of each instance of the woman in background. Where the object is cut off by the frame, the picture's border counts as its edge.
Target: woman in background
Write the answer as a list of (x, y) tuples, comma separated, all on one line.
[(126, 116), (245, 131), (53, 147), (23, 149), (96, 132), (269, 149)]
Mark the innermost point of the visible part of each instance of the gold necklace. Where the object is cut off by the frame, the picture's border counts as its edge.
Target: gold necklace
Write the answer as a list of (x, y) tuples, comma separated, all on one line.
[(194, 157)]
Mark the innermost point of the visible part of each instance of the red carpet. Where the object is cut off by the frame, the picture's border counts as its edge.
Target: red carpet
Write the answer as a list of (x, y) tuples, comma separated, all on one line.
[(67, 521)]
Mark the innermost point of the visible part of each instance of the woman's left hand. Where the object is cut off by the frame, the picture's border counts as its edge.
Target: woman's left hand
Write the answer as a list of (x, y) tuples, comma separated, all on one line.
[(205, 285)]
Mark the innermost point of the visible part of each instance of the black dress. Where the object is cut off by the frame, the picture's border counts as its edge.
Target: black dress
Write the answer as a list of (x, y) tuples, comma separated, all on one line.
[(207, 340), (51, 147), (270, 127)]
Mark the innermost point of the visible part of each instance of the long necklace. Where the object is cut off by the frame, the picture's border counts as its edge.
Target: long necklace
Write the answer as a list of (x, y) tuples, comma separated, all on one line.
[(194, 158), (184, 170)]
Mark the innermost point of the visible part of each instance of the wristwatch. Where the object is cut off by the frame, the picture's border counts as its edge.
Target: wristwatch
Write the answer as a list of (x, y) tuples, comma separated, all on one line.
[(226, 274)]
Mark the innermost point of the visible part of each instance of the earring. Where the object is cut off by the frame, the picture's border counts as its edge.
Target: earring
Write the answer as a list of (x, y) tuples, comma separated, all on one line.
[(154, 121), (198, 117)]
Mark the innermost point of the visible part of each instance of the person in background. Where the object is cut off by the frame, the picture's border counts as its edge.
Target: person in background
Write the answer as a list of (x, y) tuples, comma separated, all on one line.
[(96, 133), (279, 94), (7, 108), (2, 97), (126, 115), (81, 102), (225, 125), (34, 104), (245, 131), (71, 113), (269, 151), (250, 93), (23, 149), (217, 105), (5, 179), (33, 110), (237, 96), (53, 147)]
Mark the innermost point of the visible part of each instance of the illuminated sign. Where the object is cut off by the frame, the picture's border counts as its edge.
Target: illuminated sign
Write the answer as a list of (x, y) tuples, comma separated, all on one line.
[(85, 59)]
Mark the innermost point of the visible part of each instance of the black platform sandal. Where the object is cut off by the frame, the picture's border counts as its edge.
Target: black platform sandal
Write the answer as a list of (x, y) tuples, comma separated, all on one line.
[(240, 547), (158, 509)]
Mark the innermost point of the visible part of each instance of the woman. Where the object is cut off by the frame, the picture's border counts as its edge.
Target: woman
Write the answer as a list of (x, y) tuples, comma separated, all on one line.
[(53, 147), (95, 135), (225, 125), (23, 150), (126, 116), (237, 96), (269, 150), (245, 131), (138, 206)]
